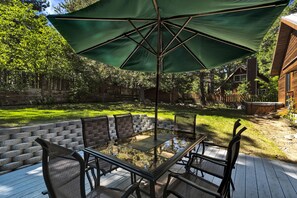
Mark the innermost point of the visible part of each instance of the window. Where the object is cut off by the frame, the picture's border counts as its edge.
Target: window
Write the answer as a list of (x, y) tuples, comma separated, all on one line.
[(239, 77), (288, 88), (288, 82)]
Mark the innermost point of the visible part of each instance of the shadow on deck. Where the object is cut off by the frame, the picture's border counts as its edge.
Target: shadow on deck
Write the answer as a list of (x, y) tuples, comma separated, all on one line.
[(253, 177)]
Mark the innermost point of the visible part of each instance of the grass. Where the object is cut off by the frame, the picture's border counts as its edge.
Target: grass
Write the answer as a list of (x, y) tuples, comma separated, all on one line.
[(215, 122)]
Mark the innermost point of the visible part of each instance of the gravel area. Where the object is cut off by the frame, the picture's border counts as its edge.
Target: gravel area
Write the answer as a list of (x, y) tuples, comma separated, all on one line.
[(280, 131)]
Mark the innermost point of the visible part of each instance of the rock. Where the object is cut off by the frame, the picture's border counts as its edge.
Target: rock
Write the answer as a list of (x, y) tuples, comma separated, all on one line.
[(289, 137)]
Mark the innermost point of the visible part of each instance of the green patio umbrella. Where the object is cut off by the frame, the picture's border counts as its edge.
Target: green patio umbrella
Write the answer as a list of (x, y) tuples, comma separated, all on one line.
[(165, 36)]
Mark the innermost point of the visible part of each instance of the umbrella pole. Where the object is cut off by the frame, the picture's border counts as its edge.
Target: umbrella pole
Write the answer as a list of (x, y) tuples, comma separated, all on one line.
[(159, 64), (157, 96)]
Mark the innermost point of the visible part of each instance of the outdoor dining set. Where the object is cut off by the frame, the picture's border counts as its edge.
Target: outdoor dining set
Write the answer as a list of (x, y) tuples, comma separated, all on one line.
[(160, 37), (145, 156)]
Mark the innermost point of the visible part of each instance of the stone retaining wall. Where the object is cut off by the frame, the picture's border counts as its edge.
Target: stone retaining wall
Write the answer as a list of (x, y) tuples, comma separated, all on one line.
[(18, 148)]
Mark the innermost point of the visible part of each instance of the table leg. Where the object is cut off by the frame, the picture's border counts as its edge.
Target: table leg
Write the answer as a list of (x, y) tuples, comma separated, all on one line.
[(132, 178), (152, 189)]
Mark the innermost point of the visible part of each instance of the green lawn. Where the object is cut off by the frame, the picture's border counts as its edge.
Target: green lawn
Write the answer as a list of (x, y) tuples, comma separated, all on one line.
[(216, 123)]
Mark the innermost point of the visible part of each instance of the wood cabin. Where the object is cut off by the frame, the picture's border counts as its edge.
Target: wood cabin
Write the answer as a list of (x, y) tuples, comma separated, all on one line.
[(244, 73), (285, 59)]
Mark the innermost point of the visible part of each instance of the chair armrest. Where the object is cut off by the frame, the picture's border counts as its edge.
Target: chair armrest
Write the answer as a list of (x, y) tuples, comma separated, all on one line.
[(130, 190), (214, 144), (210, 159), (189, 182)]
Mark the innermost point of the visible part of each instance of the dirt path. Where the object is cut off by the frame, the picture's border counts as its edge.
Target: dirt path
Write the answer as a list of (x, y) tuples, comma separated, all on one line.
[(278, 130)]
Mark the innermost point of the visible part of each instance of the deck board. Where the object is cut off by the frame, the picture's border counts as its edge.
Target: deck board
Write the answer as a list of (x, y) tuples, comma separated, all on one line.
[(291, 173), (284, 181), (253, 177), (240, 176), (250, 179), (273, 180), (263, 188)]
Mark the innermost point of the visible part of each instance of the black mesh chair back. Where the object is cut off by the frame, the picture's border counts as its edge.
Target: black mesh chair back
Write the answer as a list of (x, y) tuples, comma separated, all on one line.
[(235, 126), (124, 126), (237, 147), (231, 157), (95, 131), (185, 123), (63, 171)]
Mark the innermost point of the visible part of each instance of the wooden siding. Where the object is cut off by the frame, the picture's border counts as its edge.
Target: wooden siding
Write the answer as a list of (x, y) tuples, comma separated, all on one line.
[(291, 54), (294, 86), (254, 177), (282, 92), (282, 89), (282, 44), (285, 60)]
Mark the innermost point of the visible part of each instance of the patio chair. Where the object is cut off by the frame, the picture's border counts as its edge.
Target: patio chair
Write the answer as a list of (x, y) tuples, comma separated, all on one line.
[(215, 166), (190, 185), (208, 143), (185, 124), (95, 132), (124, 126), (64, 175)]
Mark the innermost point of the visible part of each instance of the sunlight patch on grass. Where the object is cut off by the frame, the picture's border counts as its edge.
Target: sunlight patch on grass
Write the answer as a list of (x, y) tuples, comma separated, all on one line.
[(216, 123)]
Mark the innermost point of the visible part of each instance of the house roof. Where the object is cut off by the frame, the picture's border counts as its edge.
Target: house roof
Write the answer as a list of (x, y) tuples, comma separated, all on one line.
[(262, 77), (288, 24)]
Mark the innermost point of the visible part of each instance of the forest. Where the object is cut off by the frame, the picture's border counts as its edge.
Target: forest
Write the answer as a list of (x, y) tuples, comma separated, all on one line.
[(32, 50)]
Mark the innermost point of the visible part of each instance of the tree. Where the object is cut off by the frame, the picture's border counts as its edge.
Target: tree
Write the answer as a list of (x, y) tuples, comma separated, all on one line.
[(73, 5), (244, 88), (202, 88), (39, 5), (28, 44)]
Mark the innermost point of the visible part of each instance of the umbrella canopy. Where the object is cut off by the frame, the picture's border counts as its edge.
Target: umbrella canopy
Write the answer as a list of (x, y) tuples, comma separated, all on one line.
[(168, 35)]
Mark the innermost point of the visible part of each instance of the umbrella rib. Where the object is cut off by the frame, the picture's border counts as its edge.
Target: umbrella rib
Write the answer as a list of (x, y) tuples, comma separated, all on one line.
[(142, 36), (187, 48), (156, 5), (210, 37), (268, 5), (179, 31), (137, 47), (140, 44), (74, 18), (116, 38), (173, 48)]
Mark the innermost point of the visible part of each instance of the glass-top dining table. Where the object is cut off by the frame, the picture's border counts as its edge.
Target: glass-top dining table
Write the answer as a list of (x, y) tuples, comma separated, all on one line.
[(148, 158)]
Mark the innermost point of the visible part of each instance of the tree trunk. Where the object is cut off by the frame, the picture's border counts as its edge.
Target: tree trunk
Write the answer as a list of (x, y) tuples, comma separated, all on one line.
[(211, 77), (172, 90), (42, 85), (141, 95), (202, 88)]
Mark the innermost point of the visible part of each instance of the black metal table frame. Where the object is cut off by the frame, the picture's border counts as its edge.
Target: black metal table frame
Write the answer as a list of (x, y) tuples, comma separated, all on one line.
[(152, 177)]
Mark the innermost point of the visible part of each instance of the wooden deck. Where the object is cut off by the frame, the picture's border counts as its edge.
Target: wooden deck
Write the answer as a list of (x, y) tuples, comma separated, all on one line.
[(253, 177)]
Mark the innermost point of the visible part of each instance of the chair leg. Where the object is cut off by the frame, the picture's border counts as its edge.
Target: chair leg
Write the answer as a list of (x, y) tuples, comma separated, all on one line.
[(89, 179), (98, 172), (95, 177), (203, 147), (132, 178), (232, 184), (202, 174), (45, 192), (138, 193)]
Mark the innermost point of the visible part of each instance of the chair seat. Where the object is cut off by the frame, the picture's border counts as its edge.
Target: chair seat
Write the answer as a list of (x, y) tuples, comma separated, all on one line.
[(208, 167), (184, 190)]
